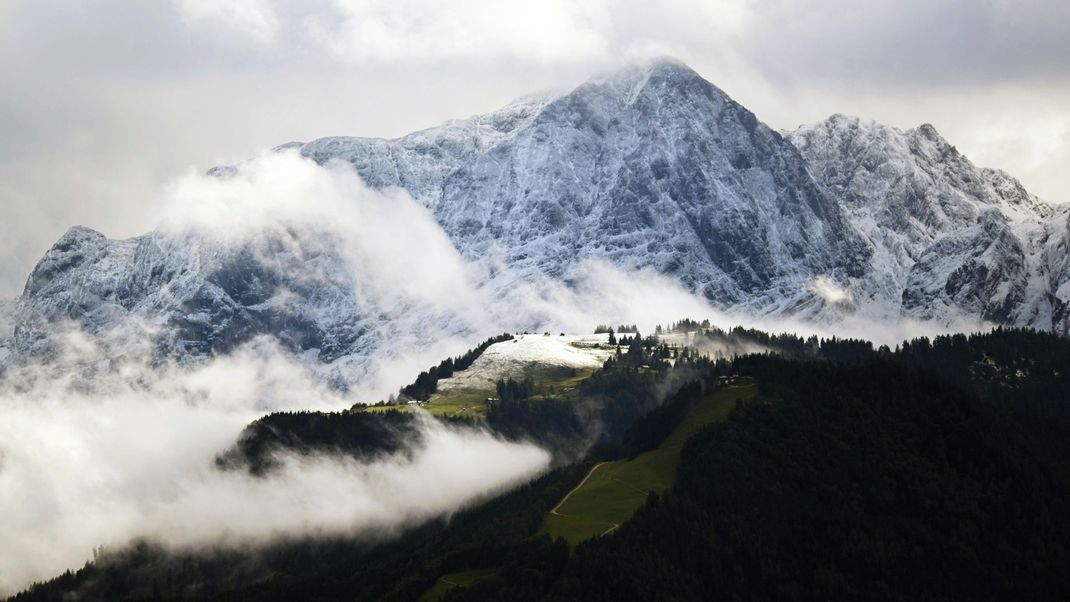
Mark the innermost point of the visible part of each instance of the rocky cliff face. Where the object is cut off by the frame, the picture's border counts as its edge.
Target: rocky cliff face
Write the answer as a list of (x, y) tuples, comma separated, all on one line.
[(655, 167), (193, 295), (948, 239), (651, 166)]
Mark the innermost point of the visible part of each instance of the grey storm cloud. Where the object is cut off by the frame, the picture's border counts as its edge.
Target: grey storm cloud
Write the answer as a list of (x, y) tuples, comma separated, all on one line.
[(918, 43)]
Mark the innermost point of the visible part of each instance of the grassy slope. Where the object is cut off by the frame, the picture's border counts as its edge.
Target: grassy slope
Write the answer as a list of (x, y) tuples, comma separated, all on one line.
[(615, 490), (473, 402), (452, 580), (455, 403)]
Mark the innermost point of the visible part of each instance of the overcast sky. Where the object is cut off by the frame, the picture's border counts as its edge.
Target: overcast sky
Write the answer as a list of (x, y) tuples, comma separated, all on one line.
[(103, 103)]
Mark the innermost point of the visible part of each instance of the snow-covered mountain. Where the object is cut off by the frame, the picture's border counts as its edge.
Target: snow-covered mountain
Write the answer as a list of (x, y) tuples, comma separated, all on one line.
[(650, 166), (948, 239), (195, 295), (655, 167)]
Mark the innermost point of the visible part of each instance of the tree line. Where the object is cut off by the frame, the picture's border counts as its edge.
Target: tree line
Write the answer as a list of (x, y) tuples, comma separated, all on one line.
[(426, 382)]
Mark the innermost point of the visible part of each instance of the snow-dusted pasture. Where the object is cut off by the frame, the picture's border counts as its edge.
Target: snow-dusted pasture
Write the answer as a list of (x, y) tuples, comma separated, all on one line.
[(528, 353)]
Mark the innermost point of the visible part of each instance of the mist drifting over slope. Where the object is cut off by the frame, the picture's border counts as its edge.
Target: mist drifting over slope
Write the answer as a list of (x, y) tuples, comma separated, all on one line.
[(129, 453), (103, 440)]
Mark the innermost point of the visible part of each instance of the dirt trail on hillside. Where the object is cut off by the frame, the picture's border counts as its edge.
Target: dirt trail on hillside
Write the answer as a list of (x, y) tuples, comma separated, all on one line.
[(569, 494)]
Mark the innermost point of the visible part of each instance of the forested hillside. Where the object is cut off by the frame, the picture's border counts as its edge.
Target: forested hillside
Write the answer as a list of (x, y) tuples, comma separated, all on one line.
[(937, 470), (868, 482)]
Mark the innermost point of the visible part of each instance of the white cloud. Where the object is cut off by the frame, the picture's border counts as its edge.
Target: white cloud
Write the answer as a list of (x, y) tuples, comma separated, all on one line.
[(1025, 141), (391, 31), (254, 18), (130, 454), (402, 262), (830, 291), (393, 245)]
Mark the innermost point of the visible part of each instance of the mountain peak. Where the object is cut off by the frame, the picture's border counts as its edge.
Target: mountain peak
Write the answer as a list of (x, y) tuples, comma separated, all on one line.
[(842, 123), (668, 64), (928, 132), (76, 236), (668, 69), (660, 65), (663, 71)]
